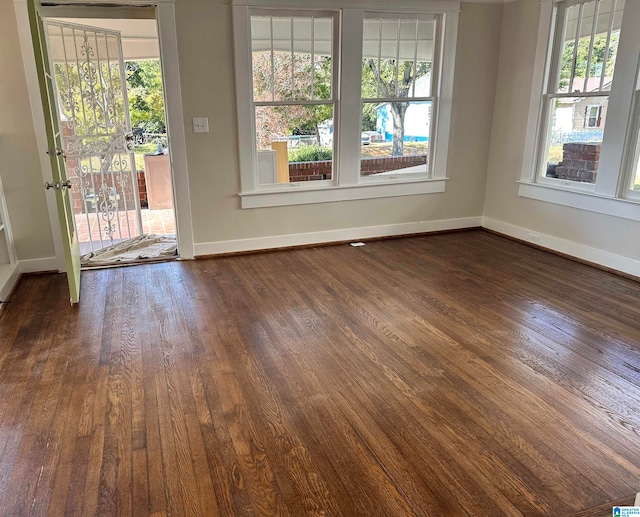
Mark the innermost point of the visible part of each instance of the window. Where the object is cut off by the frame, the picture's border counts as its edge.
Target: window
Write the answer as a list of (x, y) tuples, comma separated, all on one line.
[(397, 95), (293, 74), (584, 57), (583, 135), (343, 104), (592, 116)]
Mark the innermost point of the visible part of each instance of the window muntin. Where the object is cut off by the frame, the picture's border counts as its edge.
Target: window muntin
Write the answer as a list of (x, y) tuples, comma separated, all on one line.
[(294, 85), (399, 74), (585, 47)]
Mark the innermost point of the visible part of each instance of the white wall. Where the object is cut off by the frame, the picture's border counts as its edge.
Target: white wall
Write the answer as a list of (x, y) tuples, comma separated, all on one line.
[(486, 135), (207, 74), (19, 161), (587, 234)]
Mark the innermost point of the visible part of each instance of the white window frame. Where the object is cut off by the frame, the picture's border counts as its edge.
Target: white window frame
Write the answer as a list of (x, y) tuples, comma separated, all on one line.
[(335, 100), (346, 183), (433, 99), (610, 194), (588, 118)]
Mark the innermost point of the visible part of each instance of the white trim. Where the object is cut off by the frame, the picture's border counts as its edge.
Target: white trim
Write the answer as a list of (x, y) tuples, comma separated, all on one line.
[(263, 199), (246, 122), (420, 6), (9, 275), (38, 265), (167, 38), (611, 176), (348, 132), (543, 54), (348, 234), (574, 249), (447, 58), (110, 3), (37, 113), (592, 202)]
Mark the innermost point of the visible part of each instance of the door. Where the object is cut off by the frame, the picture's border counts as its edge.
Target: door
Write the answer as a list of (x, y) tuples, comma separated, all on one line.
[(60, 183), (89, 81)]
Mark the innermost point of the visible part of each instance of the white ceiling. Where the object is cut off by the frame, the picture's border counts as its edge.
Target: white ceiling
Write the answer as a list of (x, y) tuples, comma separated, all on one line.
[(139, 36)]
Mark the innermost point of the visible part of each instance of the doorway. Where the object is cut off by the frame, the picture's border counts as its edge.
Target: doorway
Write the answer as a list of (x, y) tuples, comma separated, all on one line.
[(110, 104)]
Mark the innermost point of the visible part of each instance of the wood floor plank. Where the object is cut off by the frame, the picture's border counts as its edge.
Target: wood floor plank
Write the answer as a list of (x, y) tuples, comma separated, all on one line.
[(457, 374)]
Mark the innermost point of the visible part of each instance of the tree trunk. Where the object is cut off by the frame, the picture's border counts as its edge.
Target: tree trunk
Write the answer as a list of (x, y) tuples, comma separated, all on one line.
[(398, 110)]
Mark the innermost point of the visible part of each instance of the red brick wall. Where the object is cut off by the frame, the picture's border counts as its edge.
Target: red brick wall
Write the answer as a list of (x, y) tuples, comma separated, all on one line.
[(579, 162), (369, 166), (310, 171), (142, 190)]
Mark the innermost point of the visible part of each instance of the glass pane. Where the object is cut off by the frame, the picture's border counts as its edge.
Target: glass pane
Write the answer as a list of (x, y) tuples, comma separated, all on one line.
[(370, 53), (283, 77), (323, 58), (395, 138), (635, 183), (612, 53), (591, 65), (424, 58), (294, 143), (577, 126), (397, 58), (261, 58), (302, 47), (634, 180), (582, 57), (291, 58)]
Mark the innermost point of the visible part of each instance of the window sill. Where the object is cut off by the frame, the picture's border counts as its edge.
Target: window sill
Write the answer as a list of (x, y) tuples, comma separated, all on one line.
[(326, 194), (583, 200)]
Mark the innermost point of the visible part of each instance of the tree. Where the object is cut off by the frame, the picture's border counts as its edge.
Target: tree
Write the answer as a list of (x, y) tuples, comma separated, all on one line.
[(290, 80), (383, 79), (146, 100), (287, 79), (582, 56)]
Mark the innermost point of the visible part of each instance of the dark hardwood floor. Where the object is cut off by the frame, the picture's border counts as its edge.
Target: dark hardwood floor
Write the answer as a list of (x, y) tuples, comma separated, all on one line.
[(459, 374)]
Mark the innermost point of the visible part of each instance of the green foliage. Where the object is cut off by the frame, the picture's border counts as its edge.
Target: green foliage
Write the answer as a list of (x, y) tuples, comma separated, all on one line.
[(276, 76), (597, 58), (369, 116), (310, 153), (392, 82), (146, 100), (383, 79)]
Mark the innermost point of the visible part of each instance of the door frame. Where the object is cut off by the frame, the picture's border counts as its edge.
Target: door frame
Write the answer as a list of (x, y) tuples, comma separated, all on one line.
[(168, 41)]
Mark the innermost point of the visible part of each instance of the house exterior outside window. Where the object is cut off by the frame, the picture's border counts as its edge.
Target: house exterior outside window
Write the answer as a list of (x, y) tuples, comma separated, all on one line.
[(338, 103)]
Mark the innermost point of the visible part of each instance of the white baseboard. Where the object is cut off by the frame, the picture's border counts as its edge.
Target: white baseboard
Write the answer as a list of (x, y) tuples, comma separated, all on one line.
[(9, 275), (38, 265), (574, 249), (349, 234)]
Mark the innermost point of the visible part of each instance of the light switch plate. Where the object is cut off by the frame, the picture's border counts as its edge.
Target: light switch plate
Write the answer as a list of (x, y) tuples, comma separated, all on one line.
[(201, 125)]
